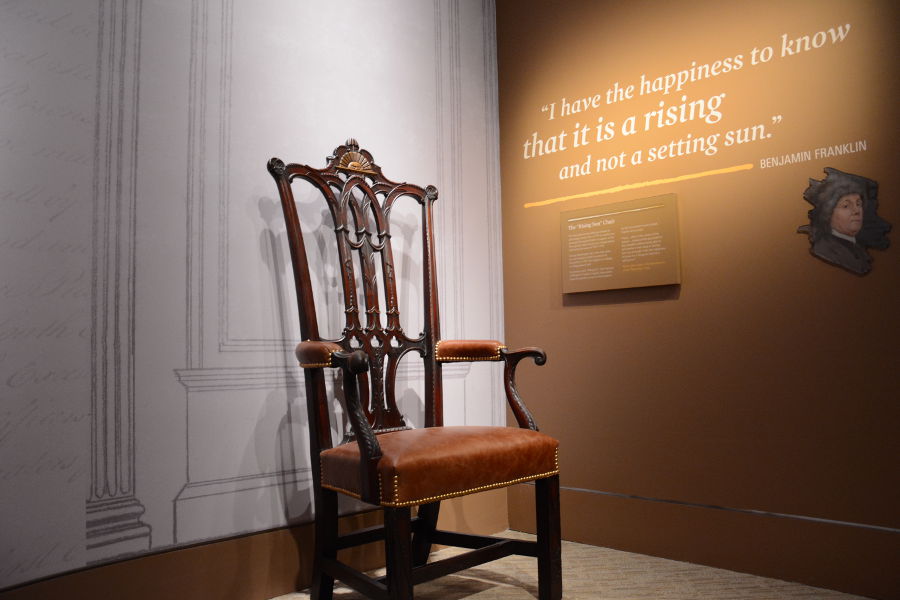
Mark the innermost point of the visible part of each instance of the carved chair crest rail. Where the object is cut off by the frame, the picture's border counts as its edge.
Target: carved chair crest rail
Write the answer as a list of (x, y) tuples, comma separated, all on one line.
[(383, 460)]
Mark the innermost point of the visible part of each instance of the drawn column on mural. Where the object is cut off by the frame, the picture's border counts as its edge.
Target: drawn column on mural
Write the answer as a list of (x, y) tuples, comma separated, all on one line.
[(114, 525)]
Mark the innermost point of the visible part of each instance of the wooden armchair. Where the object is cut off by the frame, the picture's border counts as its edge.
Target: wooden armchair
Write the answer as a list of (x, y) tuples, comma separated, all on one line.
[(384, 461)]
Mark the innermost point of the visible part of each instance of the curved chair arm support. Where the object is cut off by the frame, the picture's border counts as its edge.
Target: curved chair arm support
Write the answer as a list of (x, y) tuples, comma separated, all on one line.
[(318, 355), (354, 364), (511, 360)]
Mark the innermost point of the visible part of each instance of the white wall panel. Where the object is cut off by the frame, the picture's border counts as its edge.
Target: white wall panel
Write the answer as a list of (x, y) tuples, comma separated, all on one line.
[(153, 261)]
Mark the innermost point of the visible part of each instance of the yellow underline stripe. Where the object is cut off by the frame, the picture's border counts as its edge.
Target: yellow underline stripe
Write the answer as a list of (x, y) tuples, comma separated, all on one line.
[(640, 184), (617, 212)]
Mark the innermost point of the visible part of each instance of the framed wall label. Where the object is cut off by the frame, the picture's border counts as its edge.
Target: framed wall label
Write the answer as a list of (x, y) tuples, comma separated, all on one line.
[(621, 245)]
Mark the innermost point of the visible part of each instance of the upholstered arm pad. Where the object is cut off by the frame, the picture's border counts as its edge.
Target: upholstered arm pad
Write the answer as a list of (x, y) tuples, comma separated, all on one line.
[(467, 350), (313, 355)]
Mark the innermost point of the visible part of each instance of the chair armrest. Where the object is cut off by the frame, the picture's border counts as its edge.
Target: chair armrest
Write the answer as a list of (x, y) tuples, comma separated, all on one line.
[(318, 355), (511, 360), (467, 350)]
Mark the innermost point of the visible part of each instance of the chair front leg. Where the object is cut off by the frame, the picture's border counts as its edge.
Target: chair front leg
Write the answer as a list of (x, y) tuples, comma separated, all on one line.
[(325, 544), (548, 538), (397, 543)]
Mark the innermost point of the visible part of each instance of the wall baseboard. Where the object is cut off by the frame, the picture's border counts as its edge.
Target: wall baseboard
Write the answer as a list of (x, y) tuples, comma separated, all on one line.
[(262, 565)]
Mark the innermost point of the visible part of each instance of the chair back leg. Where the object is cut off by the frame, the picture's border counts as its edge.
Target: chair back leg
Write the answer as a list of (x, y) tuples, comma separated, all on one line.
[(424, 535)]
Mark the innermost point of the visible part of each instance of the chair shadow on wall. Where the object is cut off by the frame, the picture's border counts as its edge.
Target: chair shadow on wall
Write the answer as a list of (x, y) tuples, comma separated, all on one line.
[(274, 451), (291, 459)]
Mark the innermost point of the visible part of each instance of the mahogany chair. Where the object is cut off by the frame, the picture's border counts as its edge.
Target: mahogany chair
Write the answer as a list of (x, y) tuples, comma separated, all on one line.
[(384, 461)]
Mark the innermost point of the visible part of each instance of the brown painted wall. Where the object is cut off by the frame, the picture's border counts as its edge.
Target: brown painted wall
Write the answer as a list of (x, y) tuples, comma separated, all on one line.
[(768, 380)]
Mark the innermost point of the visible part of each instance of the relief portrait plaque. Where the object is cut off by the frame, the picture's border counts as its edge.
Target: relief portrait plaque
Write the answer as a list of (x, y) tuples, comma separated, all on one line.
[(621, 245), (844, 222)]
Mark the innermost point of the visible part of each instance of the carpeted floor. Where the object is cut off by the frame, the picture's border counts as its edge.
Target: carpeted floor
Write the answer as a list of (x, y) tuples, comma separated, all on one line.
[(593, 573)]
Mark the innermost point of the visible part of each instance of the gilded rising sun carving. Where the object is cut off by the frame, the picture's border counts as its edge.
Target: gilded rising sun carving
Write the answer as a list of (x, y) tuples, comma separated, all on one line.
[(354, 161)]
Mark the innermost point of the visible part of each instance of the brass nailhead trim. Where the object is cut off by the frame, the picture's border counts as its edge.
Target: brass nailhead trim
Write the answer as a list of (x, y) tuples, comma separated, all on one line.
[(493, 357), (482, 488), (319, 365), (335, 488), (443, 496)]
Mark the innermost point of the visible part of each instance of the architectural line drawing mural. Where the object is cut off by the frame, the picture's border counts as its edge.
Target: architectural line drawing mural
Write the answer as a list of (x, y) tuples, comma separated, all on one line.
[(209, 377), (114, 527), (196, 157), (844, 221), (204, 378), (449, 217)]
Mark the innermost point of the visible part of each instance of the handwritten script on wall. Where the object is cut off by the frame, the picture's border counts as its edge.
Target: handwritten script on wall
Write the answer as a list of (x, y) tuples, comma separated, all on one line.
[(47, 99)]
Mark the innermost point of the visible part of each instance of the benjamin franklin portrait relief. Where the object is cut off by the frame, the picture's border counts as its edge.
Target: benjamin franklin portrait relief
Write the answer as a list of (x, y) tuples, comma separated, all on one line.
[(844, 221)]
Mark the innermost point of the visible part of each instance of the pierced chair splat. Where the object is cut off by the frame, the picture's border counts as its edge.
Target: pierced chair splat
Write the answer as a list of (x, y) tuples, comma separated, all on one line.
[(383, 460)]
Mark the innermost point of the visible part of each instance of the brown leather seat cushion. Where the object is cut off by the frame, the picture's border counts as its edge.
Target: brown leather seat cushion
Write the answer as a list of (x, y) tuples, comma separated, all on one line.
[(425, 465)]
